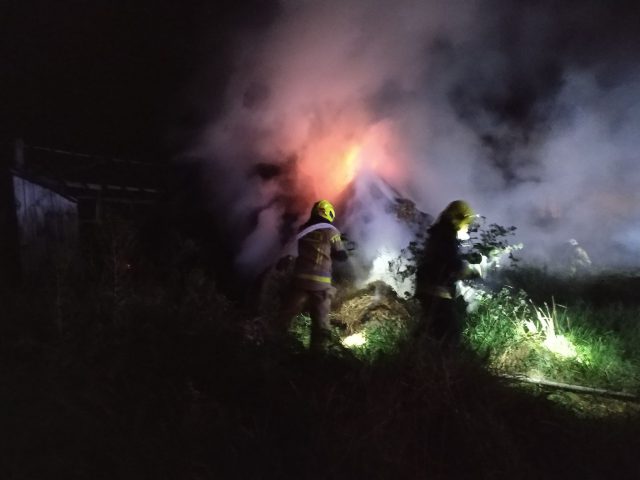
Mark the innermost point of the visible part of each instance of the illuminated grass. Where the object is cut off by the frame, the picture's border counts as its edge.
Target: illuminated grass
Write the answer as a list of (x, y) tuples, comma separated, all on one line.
[(377, 340), (301, 329), (570, 344), (368, 344), (575, 343)]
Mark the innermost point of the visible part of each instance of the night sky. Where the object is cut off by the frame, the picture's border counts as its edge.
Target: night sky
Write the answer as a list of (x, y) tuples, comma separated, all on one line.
[(114, 77), (120, 77)]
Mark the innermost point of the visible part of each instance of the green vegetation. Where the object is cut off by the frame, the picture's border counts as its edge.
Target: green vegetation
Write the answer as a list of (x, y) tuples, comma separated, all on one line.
[(573, 344), (380, 341), (110, 372), (370, 344), (578, 343)]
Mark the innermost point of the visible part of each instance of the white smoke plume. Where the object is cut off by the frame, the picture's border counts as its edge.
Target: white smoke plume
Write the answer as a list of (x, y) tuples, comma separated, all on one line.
[(513, 108)]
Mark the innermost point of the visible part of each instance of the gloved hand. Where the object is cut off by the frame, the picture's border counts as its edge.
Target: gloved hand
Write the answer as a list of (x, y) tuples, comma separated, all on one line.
[(481, 268), (349, 244)]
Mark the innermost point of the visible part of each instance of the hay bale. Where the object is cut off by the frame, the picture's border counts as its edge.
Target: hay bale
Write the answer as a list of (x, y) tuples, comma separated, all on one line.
[(375, 304)]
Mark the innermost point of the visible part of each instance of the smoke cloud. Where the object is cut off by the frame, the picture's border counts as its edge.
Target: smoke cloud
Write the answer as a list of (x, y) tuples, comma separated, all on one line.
[(529, 110)]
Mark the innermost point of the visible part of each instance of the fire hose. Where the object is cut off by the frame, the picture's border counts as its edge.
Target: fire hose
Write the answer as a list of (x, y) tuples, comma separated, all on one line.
[(573, 388)]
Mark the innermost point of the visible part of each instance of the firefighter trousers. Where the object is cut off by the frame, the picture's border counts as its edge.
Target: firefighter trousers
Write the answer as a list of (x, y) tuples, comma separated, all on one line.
[(440, 320), (318, 304)]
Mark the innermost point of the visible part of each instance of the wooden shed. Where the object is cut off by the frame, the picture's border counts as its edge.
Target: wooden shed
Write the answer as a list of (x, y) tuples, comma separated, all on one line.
[(59, 194)]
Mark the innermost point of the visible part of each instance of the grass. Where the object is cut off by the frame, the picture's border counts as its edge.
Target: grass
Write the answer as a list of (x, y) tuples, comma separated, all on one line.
[(159, 380), (584, 341), (600, 340), (382, 341)]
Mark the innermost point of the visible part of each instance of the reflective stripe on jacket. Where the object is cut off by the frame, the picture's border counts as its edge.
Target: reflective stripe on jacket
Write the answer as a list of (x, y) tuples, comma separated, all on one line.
[(314, 264)]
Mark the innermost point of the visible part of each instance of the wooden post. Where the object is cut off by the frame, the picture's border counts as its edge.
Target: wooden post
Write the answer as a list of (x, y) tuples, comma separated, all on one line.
[(9, 241)]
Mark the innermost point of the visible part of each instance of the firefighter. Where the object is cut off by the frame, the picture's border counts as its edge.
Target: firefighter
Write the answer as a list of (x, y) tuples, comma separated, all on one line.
[(318, 243), (439, 267)]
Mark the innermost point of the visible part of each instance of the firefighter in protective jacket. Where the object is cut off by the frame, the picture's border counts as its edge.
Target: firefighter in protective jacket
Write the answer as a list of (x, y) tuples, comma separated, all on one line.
[(439, 268), (318, 244)]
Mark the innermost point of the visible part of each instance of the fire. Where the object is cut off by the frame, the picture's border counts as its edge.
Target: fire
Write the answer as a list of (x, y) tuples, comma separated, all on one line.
[(331, 168), (347, 167), (330, 163)]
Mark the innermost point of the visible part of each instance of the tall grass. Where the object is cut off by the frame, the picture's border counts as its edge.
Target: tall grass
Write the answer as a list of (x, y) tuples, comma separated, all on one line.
[(170, 388), (577, 342)]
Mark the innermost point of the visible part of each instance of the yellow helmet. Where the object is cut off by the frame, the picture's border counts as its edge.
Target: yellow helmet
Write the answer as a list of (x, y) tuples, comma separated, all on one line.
[(459, 213), (325, 210)]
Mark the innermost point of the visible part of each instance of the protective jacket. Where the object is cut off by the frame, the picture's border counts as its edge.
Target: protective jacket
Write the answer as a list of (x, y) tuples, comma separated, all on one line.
[(440, 265), (317, 244)]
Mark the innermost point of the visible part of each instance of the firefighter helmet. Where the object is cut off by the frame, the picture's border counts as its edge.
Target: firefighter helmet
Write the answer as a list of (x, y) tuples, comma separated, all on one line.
[(325, 210), (459, 213)]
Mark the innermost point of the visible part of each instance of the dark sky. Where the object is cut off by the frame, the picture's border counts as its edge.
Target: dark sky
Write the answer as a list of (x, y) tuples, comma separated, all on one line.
[(124, 77), (114, 76)]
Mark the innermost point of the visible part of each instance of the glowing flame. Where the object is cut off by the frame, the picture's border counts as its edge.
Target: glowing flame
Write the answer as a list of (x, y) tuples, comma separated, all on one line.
[(330, 162), (331, 167), (347, 167)]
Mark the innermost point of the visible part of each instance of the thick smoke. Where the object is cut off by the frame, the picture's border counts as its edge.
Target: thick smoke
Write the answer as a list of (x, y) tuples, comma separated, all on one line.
[(529, 110)]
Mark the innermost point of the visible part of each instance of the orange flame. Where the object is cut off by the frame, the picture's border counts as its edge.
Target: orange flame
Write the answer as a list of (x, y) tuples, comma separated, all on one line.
[(330, 164), (347, 168), (328, 172)]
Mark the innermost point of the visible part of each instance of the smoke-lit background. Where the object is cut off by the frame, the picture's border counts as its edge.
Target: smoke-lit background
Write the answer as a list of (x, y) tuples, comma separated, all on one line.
[(528, 110)]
